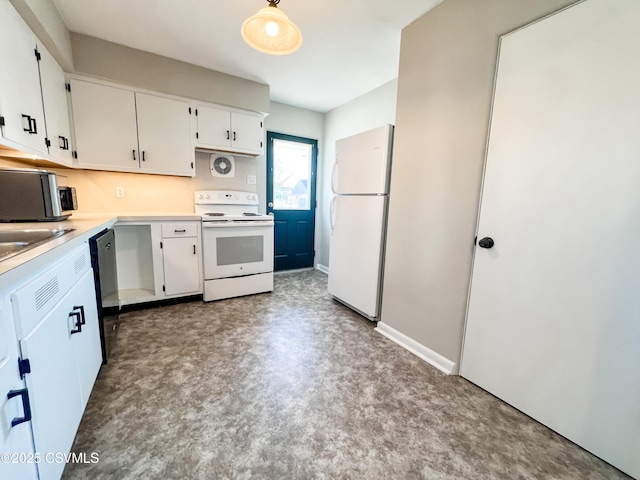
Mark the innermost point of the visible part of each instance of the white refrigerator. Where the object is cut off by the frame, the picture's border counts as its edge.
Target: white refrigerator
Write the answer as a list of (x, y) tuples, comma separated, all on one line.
[(358, 217)]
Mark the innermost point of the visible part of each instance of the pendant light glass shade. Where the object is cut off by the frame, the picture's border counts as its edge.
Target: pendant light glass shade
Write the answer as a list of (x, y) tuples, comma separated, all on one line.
[(270, 31)]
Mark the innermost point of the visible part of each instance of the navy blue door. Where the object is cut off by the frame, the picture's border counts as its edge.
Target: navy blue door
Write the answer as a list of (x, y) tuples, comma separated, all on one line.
[(291, 198)]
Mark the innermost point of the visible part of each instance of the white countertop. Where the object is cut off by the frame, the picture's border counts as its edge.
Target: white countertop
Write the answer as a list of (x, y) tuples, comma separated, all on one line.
[(85, 226)]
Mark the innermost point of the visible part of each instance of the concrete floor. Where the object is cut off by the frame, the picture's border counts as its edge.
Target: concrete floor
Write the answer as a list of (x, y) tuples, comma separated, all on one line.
[(293, 385)]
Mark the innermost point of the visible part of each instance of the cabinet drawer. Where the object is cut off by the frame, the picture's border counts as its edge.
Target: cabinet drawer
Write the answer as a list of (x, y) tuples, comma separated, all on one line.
[(172, 230)]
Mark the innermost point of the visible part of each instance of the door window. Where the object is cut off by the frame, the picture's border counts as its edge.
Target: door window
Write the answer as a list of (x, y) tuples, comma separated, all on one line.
[(291, 175)]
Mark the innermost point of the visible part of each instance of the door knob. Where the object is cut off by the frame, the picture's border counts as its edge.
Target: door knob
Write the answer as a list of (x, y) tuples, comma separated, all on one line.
[(486, 242), (270, 204)]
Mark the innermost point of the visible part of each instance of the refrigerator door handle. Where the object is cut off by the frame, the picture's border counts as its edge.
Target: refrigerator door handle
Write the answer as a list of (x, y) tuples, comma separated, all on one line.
[(333, 177), (332, 211)]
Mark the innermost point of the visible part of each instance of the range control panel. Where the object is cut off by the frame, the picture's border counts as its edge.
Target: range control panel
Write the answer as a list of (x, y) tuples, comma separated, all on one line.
[(225, 197)]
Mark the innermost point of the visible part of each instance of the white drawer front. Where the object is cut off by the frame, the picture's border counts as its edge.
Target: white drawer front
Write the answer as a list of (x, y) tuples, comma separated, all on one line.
[(172, 230)]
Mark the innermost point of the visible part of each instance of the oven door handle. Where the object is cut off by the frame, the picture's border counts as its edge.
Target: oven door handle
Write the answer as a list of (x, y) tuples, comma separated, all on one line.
[(254, 224)]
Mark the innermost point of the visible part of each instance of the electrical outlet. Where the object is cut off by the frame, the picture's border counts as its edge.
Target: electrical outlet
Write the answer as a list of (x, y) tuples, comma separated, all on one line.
[(251, 179), (119, 192)]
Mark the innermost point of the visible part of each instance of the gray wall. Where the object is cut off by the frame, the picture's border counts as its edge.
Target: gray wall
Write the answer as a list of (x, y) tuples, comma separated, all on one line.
[(45, 21), (371, 110), (445, 84), (99, 58)]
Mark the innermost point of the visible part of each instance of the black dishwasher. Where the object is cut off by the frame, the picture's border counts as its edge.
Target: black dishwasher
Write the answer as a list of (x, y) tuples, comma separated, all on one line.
[(103, 260)]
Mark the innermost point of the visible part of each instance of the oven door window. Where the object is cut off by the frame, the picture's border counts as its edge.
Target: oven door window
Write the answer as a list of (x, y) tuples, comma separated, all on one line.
[(238, 250)]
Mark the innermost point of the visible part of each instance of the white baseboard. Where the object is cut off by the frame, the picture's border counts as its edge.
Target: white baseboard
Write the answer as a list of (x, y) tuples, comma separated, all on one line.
[(433, 358), (322, 268)]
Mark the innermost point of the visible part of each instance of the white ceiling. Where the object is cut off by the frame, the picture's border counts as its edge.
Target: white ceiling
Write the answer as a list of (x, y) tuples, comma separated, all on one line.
[(349, 47)]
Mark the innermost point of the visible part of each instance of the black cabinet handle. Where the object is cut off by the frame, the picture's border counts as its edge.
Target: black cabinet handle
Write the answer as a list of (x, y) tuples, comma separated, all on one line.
[(78, 322), (180, 231), (28, 128), (26, 406), (227, 134), (81, 308), (64, 141), (194, 249), (143, 159), (234, 136), (134, 154), (486, 242)]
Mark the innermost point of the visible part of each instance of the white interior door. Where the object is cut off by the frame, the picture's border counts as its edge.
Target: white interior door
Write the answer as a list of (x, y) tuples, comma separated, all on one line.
[(356, 246), (553, 323)]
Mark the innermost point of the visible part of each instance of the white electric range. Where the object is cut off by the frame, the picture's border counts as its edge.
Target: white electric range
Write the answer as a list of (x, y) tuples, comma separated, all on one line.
[(237, 244)]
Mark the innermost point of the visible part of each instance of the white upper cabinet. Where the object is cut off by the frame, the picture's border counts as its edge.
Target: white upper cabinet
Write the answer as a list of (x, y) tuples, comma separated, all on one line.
[(122, 130), (104, 120), (21, 113), (164, 135), (54, 97), (229, 130)]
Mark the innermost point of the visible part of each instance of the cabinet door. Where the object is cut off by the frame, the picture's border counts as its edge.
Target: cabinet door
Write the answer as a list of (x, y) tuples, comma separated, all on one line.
[(53, 385), (54, 96), (104, 120), (164, 135), (21, 99), (181, 266), (86, 344), (214, 127), (17, 439), (247, 132)]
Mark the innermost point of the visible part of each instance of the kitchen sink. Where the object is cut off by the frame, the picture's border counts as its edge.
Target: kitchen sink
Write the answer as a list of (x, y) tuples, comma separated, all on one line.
[(13, 242)]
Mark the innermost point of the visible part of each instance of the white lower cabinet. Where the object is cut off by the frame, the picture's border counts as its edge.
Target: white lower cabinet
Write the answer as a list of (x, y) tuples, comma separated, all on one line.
[(58, 332), (181, 258), (158, 260), (15, 427)]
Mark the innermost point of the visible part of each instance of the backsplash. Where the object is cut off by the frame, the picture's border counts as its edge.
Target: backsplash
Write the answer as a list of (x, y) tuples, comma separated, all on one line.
[(143, 193)]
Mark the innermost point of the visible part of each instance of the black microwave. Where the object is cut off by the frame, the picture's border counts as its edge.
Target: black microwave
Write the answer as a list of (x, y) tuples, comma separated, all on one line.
[(34, 196)]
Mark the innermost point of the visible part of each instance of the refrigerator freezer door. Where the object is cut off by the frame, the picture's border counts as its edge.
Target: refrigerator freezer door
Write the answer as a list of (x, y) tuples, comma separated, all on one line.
[(363, 163), (355, 257)]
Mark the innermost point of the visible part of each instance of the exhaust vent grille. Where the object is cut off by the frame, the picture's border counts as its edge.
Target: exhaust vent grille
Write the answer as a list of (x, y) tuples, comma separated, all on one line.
[(46, 292), (79, 264)]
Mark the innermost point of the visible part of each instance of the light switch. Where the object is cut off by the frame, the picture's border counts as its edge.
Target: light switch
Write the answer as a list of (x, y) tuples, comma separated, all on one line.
[(119, 192), (251, 179)]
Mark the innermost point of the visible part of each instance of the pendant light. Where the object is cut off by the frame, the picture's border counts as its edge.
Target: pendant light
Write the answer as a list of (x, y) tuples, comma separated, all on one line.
[(270, 31)]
